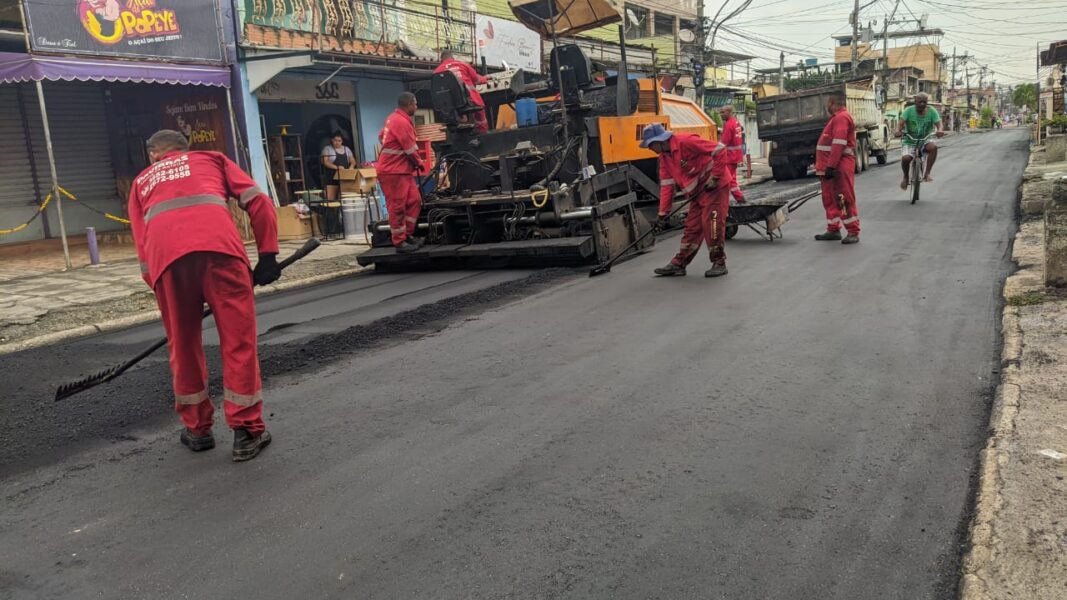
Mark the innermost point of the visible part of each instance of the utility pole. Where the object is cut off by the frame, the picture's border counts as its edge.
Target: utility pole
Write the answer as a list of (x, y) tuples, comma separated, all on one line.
[(967, 77), (981, 87), (781, 73), (953, 82), (855, 35), (702, 40)]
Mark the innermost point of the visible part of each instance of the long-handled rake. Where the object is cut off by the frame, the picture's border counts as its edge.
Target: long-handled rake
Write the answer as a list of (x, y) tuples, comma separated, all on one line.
[(69, 389)]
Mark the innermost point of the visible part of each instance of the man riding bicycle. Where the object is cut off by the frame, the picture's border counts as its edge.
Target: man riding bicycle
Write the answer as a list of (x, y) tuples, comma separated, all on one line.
[(917, 123)]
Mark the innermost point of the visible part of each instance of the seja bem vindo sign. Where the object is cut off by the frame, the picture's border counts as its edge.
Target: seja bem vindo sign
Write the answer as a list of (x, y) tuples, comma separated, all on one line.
[(154, 29)]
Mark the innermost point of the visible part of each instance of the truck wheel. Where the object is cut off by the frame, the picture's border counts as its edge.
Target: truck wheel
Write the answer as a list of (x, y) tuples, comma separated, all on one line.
[(800, 170), (782, 172), (881, 157), (731, 231), (866, 154)]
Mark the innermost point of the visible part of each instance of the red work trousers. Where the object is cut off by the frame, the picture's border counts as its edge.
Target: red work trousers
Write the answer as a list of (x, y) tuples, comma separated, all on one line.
[(705, 221), (403, 202), (225, 283), (839, 198), (735, 189)]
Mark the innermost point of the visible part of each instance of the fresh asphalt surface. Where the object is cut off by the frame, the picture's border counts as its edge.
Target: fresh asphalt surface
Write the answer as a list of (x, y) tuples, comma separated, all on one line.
[(806, 427)]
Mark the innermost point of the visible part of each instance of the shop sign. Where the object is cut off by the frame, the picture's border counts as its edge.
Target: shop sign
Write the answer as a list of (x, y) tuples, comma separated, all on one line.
[(307, 90), (501, 41), (160, 29), (200, 117)]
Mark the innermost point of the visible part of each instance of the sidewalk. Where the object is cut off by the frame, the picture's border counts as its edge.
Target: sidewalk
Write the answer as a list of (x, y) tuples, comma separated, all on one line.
[(1019, 529), (39, 298)]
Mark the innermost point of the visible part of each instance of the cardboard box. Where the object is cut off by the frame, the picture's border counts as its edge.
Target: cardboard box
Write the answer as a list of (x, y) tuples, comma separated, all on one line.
[(357, 180), (292, 225)]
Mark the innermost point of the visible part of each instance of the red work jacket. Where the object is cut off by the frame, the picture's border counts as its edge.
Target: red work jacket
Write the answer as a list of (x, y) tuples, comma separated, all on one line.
[(838, 139), (178, 206), (467, 76), (688, 165), (731, 138), (399, 150)]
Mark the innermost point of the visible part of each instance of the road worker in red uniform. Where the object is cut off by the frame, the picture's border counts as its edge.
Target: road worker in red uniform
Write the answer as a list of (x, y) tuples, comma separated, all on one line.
[(469, 78), (191, 253), (398, 164), (698, 169), (735, 147), (835, 163)]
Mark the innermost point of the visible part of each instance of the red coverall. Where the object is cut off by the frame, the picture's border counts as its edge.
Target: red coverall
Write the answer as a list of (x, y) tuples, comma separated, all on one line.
[(470, 78), (837, 150), (191, 253), (397, 166), (688, 166), (735, 152)]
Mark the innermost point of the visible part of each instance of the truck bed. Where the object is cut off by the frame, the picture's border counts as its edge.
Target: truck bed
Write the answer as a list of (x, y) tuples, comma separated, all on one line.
[(787, 115)]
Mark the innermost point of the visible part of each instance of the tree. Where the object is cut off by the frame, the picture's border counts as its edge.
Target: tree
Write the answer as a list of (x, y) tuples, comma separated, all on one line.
[(1025, 95)]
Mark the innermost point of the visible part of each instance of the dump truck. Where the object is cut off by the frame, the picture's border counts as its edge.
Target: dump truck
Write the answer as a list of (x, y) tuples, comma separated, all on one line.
[(792, 124), (566, 184)]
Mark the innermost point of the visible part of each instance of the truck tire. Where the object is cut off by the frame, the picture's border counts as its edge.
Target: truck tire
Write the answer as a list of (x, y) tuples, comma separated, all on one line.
[(881, 157), (866, 154), (782, 172), (800, 169)]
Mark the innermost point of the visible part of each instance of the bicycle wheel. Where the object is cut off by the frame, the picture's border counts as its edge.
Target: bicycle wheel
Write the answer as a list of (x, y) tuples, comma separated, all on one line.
[(916, 178)]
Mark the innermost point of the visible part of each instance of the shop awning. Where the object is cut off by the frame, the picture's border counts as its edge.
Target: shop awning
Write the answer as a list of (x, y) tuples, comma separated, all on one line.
[(18, 68)]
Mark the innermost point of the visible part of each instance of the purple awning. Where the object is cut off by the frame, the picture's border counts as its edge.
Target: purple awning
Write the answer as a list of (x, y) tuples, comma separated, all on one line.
[(16, 68)]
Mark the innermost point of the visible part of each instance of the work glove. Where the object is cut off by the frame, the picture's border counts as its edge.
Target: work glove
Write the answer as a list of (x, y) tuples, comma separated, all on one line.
[(662, 222), (267, 270), (829, 173)]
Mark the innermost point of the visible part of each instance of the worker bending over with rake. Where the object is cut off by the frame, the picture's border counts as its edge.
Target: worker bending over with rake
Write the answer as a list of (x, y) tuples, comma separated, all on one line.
[(698, 169), (191, 253)]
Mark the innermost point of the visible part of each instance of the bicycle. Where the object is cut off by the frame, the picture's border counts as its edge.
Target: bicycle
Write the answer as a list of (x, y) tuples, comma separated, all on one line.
[(917, 164)]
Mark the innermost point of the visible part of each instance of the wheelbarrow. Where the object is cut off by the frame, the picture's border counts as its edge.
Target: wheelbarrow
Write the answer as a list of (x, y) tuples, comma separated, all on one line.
[(765, 217)]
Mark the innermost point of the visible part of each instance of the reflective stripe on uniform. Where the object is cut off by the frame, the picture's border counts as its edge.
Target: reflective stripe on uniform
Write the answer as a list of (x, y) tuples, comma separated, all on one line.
[(196, 398), (840, 141), (392, 151), (182, 202), (850, 220), (233, 397), (411, 150), (824, 148), (719, 148), (666, 182), (248, 195), (411, 219), (850, 152), (735, 147), (833, 221)]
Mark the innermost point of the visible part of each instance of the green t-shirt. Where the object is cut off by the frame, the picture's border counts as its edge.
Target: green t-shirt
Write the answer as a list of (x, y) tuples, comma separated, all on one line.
[(917, 126)]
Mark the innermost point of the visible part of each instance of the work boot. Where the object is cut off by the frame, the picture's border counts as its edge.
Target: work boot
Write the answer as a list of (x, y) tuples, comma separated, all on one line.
[(246, 446), (197, 443), (417, 241), (851, 239), (406, 247), (671, 270), (829, 236), (716, 271)]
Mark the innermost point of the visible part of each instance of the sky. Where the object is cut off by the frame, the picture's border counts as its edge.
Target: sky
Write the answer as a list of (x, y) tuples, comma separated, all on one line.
[(1000, 35)]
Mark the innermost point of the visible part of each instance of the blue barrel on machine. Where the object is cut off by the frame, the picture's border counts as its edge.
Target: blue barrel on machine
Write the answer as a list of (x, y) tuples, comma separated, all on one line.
[(526, 112)]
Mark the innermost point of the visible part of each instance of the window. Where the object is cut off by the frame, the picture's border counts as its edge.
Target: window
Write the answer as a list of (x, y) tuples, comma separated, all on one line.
[(664, 24), (636, 22)]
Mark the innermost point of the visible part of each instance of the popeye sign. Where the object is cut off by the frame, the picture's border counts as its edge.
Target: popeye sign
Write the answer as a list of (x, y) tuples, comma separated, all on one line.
[(169, 29)]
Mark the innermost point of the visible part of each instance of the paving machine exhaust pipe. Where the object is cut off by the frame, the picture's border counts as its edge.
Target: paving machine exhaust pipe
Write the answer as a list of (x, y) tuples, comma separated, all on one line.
[(605, 266)]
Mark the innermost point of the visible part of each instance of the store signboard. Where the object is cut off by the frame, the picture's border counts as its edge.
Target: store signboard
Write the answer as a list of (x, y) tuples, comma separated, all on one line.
[(307, 90), (501, 41), (200, 116), (154, 29)]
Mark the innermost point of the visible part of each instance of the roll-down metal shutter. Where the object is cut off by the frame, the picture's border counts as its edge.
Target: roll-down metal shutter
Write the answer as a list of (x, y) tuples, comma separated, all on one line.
[(78, 121), (18, 199)]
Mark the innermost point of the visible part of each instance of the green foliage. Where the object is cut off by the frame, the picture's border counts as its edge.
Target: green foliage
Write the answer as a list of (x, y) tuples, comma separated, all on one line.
[(808, 80), (750, 107), (986, 120), (1027, 299), (1055, 122), (1025, 95)]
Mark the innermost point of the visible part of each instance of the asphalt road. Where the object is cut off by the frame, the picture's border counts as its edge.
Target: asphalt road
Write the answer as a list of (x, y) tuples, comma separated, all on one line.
[(805, 428)]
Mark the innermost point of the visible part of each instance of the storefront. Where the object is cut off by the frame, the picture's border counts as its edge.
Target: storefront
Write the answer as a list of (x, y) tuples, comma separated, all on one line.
[(97, 82)]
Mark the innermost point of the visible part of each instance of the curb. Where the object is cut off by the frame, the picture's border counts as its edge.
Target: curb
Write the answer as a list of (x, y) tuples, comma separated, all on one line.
[(153, 315)]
